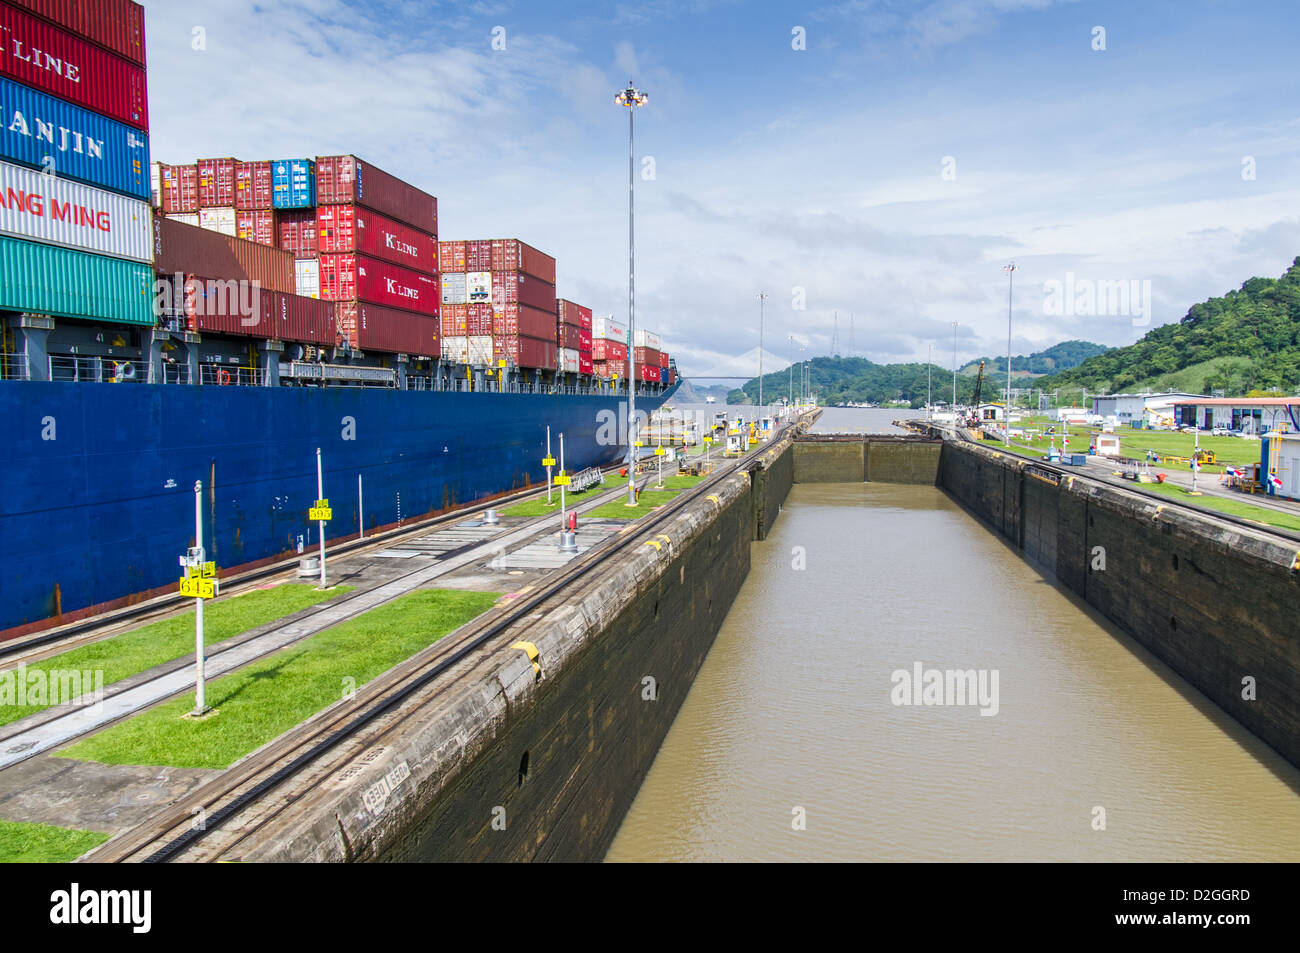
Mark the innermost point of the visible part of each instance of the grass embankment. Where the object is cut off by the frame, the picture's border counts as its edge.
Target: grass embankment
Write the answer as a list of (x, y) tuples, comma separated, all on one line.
[(1257, 514), (141, 649), (646, 502), (43, 844), (268, 697)]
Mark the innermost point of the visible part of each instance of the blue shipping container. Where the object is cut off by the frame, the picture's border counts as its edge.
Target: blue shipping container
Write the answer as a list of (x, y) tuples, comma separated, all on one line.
[(49, 134), (293, 183)]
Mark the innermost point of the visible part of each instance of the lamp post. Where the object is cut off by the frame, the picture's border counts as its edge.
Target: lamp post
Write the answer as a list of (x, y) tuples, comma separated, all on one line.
[(631, 98), (761, 298), (1010, 269), (954, 373), (790, 338), (929, 385)]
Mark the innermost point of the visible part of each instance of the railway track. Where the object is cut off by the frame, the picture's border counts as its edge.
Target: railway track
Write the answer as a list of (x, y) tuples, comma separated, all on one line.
[(173, 831)]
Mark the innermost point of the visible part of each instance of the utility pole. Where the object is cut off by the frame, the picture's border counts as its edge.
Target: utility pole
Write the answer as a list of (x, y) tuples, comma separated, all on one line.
[(632, 98), (1010, 269), (954, 370), (929, 390), (761, 298)]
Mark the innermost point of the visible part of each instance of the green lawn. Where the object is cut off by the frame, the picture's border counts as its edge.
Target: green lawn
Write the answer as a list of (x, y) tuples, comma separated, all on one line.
[(534, 507), (674, 482), (1243, 510), (647, 501), (42, 844), (140, 649), (268, 697)]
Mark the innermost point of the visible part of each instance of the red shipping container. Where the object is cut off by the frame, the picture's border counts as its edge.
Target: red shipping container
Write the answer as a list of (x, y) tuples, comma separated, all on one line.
[(663, 359), (305, 320), (253, 186), (646, 355), (603, 350), (480, 319), (216, 182), (510, 254), (478, 256), (451, 257), (574, 314), (358, 278), (647, 372), (509, 287), (116, 25), (585, 364), (180, 189), (570, 337), (521, 319), (188, 249), (369, 327), (525, 351), (256, 226), (584, 341), (345, 229), (454, 318), (342, 180), (48, 58), (224, 306), (297, 233)]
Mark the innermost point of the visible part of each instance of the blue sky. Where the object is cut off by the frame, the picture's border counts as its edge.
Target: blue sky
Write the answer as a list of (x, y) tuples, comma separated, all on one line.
[(778, 169)]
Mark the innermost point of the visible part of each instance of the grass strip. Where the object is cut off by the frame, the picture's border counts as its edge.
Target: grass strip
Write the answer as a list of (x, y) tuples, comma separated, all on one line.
[(141, 649), (266, 698), (22, 843)]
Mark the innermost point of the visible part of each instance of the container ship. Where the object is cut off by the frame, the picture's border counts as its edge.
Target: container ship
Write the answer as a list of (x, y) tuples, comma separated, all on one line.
[(223, 320)]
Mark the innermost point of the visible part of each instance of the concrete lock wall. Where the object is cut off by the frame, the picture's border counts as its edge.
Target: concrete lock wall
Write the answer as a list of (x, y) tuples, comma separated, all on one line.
[(1218, 604), (504, 766), (872, 457)]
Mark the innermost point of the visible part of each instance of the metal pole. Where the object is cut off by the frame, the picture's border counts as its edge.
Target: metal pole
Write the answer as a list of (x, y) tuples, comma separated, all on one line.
[(1006, 424), (929, 370), (320, 495), (954, 372), (790, 399), (361, 510), (761, 298), (564, 517), (548, 469), (200, 694), (631, 309), (1196, 455)]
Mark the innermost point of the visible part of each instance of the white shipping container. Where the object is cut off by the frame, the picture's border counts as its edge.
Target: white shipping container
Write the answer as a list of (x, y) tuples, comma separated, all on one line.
[(568, 360), (479, 287), (218, 220), (186, 218), (155, 183), (453, 288), (306, 277), (647, 339), (56, 211), (455, 349), (480, 349), (609, 329)]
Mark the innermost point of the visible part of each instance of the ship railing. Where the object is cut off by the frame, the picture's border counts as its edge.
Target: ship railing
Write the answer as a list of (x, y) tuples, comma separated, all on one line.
[(93, 368), (592, 476), (14, 367), (222, 375)]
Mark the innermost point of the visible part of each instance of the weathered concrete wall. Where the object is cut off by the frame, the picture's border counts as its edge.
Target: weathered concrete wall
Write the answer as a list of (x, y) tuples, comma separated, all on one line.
[(504, 766), (875, 457), (830, 461), (1217, 603), (903, 460)]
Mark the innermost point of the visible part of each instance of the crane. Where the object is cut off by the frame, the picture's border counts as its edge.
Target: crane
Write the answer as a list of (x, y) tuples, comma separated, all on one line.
[(974, 416)]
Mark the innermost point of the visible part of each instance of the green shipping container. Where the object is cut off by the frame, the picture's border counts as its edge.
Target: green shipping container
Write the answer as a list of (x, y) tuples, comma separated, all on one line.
[(46, 279)]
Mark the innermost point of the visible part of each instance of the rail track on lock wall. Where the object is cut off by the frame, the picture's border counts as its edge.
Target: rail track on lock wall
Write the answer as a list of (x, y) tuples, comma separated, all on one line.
[(172, 832)]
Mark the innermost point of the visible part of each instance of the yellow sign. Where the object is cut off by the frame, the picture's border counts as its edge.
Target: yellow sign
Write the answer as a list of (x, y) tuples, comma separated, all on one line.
[(320, 514), (206, 571), (198, 588), (659, 451), (562, 480), (322, 504), (548, 461), (638, 443)]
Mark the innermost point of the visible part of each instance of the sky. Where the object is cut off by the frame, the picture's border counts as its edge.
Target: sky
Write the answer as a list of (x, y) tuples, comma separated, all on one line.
[(870, 165)]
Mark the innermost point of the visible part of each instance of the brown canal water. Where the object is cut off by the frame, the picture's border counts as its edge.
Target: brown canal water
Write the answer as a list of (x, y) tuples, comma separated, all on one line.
[(792, 714)]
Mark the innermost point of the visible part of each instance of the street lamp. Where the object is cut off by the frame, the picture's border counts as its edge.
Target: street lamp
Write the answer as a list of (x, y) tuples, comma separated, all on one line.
[(954, 373), (790, 339), (761, 298), (631, 98), (1010, 269)]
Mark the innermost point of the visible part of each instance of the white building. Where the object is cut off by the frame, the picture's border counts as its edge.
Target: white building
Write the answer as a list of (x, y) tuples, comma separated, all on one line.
[(1252, 415), (1282, 459), (1127, 408), (1073, 415)]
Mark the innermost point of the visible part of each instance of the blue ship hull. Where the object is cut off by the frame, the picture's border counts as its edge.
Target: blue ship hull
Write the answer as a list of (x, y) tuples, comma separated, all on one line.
[(97, 495)]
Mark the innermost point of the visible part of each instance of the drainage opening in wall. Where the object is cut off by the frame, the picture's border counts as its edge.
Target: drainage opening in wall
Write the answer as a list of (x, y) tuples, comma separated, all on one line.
[(1173, 623), (523, 769), (1175, 560)]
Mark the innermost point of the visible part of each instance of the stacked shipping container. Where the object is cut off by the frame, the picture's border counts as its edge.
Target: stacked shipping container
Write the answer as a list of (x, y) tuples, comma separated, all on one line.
[(512, 282), (72, 82)]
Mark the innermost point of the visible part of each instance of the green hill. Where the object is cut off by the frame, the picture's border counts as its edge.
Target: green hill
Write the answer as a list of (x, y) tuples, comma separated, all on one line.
[(1058, 357), (840, 380), (1246, 340)]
